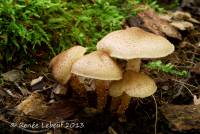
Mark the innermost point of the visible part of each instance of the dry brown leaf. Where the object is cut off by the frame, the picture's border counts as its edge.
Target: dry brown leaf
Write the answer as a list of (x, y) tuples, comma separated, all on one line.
[(13, 75), (180, 15), (150, 21), (182, 25), (33, 105)]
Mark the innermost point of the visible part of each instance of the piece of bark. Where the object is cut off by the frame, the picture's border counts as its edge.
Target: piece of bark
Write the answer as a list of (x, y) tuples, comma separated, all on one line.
[(163, 25), (151, 22), (182, 117)]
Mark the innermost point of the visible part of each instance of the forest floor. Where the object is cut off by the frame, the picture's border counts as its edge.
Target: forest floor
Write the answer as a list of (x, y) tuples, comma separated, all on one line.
[(178, 109)]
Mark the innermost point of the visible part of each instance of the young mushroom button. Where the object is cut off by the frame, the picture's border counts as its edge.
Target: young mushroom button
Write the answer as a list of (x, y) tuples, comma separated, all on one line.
[(132, 44), (99, 66)]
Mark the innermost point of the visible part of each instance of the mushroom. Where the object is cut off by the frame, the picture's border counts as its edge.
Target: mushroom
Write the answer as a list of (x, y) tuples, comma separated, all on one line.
[(132, 44), (62, 63), (133, 84), (99, 66)]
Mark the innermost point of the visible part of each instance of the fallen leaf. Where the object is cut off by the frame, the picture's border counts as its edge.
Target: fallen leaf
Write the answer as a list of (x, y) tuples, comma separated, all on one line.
[(182, 25), (180, 15), (163, 25), (33, 105), (151, 21), (37, 80), (13, 75)]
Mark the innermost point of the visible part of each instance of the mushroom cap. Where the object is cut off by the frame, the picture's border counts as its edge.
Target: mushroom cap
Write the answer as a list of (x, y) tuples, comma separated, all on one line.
[(135, 43), (134, 84), (62, 63), (97, 65)]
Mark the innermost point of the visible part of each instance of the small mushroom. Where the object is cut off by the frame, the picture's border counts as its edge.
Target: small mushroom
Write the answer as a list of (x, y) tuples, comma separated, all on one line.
[(62, 63), (99, 66), (133, 84), (132, 44)]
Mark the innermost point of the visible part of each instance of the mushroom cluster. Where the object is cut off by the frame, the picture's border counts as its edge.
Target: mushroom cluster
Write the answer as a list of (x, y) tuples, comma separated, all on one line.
[(131, 45)]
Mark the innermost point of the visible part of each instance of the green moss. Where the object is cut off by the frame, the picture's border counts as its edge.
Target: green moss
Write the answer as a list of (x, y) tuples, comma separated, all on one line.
[(167, 68)]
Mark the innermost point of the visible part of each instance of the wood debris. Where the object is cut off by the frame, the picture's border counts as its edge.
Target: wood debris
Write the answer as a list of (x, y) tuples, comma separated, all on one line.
[(182, 117), (151, 21)]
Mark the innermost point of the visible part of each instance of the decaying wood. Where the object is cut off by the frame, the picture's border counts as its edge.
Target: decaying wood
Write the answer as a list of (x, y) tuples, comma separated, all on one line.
[(150, 21), (182, 117)]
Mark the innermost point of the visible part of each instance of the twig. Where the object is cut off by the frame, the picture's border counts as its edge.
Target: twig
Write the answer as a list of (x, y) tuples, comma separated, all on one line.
[(156, 118), (184, 83), (10, 93), (23, 91), (111, 130)]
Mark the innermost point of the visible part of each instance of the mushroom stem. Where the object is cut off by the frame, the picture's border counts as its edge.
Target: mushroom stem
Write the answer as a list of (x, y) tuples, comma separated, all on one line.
[(61, 89), (133, 65), (115, 102), (101, 91), (77, 86), (125, 100)]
